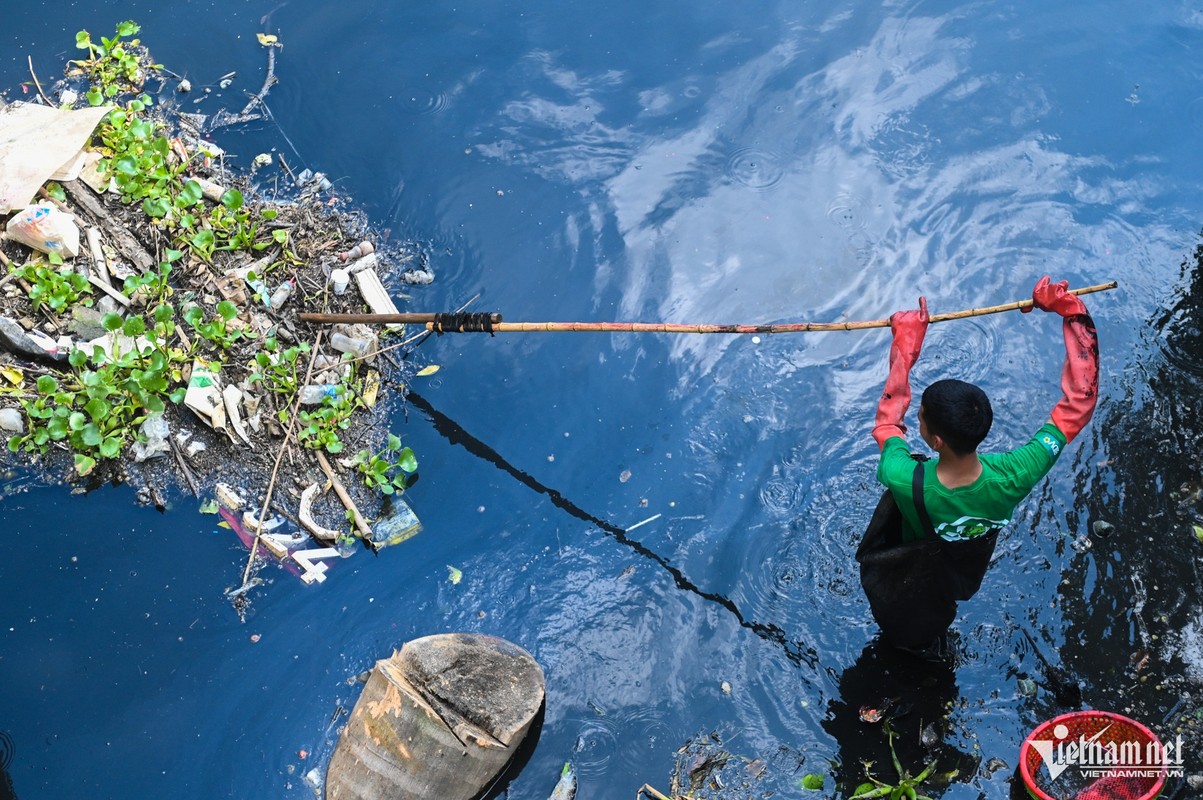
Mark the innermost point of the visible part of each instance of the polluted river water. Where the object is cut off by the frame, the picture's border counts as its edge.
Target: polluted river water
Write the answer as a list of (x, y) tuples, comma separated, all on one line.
[(667, 522)]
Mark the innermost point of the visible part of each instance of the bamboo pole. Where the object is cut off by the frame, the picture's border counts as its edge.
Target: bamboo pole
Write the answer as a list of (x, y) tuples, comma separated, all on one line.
[(665, 327), (381, 319)]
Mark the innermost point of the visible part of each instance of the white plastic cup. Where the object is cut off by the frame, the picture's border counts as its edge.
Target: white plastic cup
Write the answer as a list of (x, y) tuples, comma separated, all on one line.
[(339, 278)]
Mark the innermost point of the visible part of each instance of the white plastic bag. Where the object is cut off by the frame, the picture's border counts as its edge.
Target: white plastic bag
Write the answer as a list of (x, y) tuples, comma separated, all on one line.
[(45, 228)]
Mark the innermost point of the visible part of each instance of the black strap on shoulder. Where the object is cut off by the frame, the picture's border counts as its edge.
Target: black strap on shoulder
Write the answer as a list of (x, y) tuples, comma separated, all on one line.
[(920, 506)]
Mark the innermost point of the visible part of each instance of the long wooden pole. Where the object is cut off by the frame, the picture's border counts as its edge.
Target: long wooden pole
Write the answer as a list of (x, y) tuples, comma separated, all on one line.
[(665, 327)]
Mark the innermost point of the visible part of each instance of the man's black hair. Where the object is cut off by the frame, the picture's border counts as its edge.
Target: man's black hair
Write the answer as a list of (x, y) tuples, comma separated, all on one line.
[(957, 412)]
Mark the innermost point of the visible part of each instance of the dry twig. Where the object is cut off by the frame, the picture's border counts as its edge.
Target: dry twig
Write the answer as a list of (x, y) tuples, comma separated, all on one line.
[(38, 85)]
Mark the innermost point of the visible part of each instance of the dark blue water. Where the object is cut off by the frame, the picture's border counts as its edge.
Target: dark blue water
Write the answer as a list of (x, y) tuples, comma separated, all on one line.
[(681, 162)]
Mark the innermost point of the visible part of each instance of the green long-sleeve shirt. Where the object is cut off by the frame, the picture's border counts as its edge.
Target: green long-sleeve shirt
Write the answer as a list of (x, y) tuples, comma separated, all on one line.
[(984, 505)]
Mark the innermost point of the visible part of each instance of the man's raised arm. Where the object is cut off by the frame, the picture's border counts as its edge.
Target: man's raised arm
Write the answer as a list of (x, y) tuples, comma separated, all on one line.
[(909, 328), (1080, 375)]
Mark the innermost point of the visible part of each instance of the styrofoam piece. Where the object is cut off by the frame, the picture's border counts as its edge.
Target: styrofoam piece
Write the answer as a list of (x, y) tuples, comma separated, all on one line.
[(376, 296)]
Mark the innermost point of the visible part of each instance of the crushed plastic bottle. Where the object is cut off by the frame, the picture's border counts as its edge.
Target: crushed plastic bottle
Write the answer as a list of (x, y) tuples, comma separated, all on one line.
[(314, 393)]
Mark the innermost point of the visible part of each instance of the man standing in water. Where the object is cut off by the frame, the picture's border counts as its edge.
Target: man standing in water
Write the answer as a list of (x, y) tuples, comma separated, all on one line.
[(934, 531)]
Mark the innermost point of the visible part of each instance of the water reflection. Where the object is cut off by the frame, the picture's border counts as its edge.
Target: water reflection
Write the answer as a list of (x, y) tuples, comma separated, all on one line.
[(914, 698)]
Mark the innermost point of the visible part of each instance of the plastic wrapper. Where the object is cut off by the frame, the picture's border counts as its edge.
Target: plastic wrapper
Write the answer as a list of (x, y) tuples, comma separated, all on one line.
[(46, 229)]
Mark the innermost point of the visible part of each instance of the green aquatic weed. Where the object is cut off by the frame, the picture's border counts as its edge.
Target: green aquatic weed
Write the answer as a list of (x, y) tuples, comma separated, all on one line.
[(96, 408), (115, 65), (277, 369), (218, 329), (388, 469), (54, 285), (319, 429), (905, 789)]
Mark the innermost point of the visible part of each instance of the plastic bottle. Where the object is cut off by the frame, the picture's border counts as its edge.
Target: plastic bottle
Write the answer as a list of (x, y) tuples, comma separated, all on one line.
[(348, 344), (281, 295), (358, 251), (314, 393)]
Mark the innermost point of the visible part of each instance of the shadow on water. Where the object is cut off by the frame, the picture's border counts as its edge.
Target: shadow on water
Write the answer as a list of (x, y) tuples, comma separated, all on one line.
[(501, 785), (797, 652), (7, 792)]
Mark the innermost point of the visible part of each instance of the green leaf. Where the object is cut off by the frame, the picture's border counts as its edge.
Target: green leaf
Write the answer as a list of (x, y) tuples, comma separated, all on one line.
[(110, 447), (156, 207), (162, 313), (394, 442), (227, 310), (47, 385), (193, 315), (189, 196), (58, 429), (126, 166), (813, 781), (134, 326), (1199, 532), (77, 420), (407, 461), (112, 321), (232, 199), (95, 98), (202, 240), (91, 435), (98, 409), (454, 575), (208, 507), (84, 464), (128, 28)]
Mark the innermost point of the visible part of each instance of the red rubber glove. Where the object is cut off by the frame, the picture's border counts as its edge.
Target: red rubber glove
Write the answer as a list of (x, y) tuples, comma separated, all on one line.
[(1080, 375), (909, 328), (1049, 296)]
